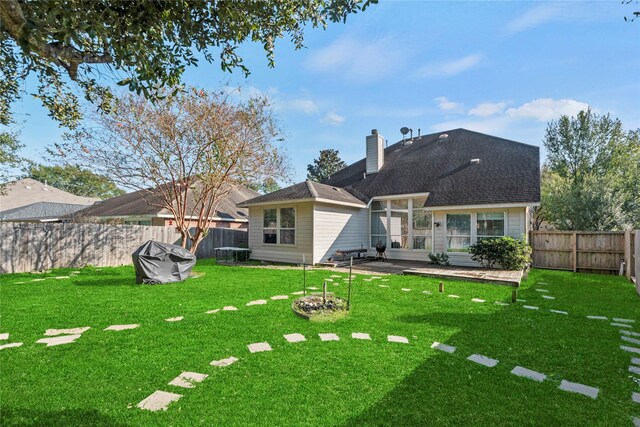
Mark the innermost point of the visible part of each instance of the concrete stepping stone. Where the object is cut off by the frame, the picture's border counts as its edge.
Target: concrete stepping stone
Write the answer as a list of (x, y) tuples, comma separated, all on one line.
[(329, 337), (297, 293), (617, 319), (636, 421), (174, 319), (224, 362), (634, 369), (328, 280), (158, 401), (336, 276), (367, 280), (501, 303), (630, 333), (213, 311), (229, 308), (4, 336), (530, 307), (188, 379), (19, 283), (384, 280), (621, 325), (635, 397), (548, 297), (37, 280), (62, 339), (384, 286), (279, 297), (294, 337), (376, 277), (630, 349), (313, 288), (597, 318), (427, 292), (405, 289), (10, 345), (631, 340), (71, 331), (585, 390), (257, 302), (542, 283), (528, 373), (477, 300), (76, 272), (62, 277), (120, 327), (483, 360), (360, 336), (521, 300), (453, 296), (635, 360), (559, 312), (443, 347), (259, 347), (397, 338), (542, 290)]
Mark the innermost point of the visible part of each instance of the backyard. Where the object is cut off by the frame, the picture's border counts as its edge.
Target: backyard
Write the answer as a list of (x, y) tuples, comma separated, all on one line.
[(101, 377)]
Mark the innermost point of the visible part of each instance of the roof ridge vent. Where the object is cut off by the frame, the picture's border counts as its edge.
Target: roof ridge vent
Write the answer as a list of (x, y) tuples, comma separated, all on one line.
[(475, 161), (443, 136)]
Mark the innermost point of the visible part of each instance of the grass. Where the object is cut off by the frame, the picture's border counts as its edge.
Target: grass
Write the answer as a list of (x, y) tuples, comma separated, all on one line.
[(100, 378)]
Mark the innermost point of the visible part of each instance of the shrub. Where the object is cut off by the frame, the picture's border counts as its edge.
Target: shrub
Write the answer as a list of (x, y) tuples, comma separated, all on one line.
[(439, 259), (507, 252)]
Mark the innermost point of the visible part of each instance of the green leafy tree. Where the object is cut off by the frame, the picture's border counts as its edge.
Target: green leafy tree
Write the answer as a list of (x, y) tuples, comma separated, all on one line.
[(9, 158), (141, 44), (269, 185), (75, 180), (591, 179), (328, 163)]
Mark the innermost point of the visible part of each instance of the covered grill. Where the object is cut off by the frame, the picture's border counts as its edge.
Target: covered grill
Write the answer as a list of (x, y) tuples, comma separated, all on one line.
[(380, 249)]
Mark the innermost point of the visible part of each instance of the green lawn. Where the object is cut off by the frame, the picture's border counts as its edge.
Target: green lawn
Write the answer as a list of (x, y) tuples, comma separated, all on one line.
[(99, 379)]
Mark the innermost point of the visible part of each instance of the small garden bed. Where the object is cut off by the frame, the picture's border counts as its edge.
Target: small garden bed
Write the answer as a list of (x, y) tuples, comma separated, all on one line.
[(319, 308)]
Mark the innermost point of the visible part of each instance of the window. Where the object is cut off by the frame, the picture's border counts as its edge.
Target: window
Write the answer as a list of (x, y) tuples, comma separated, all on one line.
[(378, 222), (399, 224), (458, 232), (490, 224), (421, 225), (279, 226)]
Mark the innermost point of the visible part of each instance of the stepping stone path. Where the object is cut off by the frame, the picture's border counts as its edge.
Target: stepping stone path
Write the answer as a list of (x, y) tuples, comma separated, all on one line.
[(621, 325), (259, 347), (477, 300), (548, 297), (635, 397), (72, 331), (294, 338), (559, 312), (630, 349), (297, 293), (443, 347), (396, 338), (4, 336), (530, 307), (63, 339), (585, 390), (453, 296), (120, 327), (213, 311), (229, 308), (631, 340), (278, 297), (158, 400), (631, 333), (405, 289), (501, 303), (224, 362), (174, 319), (617, 319), (542, 290), (329, 337), (597, 318), (10, 345), (360, 336), (483, 360), (635, 360), (188, 379), (528, 373), (634, 369), (257, 302)]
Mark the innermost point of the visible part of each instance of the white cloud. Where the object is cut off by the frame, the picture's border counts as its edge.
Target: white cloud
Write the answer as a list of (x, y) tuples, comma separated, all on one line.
[(449, 68), (445, 105), (534, 17), (486, 109), (333, 118), (545, 109), (307, 106)]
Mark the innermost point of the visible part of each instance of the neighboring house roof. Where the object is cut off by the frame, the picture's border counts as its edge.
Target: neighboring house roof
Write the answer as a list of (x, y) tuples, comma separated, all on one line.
[(308, 191), (137, 204), (508, 171), (28, 191), (40, 211)]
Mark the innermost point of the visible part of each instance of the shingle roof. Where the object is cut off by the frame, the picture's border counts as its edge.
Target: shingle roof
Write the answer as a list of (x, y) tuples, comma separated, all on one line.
[(508, 172), (27, 191), (136, 204), (305, 191), (40, 211)]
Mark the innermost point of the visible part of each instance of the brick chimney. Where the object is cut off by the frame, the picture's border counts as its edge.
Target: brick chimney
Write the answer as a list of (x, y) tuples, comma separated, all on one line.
[(375, 152)]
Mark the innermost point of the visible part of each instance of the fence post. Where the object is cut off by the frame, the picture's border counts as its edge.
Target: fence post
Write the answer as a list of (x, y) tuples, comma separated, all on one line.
[(574, 244), (627, 253)]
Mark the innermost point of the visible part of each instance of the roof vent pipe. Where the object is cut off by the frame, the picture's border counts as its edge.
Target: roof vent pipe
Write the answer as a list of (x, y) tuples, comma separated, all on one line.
[(443, 136)]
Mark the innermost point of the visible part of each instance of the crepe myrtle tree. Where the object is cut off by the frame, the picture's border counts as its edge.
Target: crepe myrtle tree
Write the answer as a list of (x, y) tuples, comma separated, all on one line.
[(78, 47), (185, 153)]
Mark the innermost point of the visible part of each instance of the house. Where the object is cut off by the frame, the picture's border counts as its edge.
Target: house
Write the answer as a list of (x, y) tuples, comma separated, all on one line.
[(28, 200), (143, 208), (430, 194)]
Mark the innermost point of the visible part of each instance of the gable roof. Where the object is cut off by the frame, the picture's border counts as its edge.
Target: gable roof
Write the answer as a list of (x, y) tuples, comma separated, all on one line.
[(27, 191), (136, 204), (40, 211), (308, 191)]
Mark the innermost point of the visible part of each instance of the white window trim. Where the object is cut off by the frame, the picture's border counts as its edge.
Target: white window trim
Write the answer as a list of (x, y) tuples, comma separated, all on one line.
[(474, 227), (278, 228), (409, 198)]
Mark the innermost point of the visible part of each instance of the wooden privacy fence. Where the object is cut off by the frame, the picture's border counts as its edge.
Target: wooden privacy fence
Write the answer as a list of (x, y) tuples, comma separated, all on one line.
[(585, 251), (26, 247)]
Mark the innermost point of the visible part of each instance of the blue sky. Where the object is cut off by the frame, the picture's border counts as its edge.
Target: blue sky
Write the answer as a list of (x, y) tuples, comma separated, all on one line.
[(503, 68)]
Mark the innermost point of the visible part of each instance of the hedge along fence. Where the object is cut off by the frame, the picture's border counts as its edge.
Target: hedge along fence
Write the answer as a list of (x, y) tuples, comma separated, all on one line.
[(27, 247), (586, 251)]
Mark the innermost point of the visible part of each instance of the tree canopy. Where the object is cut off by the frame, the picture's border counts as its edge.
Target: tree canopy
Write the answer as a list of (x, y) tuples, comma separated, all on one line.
[(75, 180), (9, 157), (141, 44), (327, 163), (591, 180)]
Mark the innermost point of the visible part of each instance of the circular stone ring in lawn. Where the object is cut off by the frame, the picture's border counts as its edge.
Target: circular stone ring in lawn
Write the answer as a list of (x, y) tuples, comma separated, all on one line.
[(320, 309)]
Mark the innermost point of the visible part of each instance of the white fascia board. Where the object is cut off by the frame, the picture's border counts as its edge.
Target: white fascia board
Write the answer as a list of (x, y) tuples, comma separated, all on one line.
[(213, 218), (483, 206), (309, 199)]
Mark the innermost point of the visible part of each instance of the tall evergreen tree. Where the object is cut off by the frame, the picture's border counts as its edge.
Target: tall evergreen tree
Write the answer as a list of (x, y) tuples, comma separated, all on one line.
[(328, 163)]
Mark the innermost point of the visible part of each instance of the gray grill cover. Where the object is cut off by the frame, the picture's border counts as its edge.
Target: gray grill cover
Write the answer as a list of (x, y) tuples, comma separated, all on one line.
[(157, 262)]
